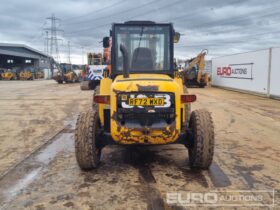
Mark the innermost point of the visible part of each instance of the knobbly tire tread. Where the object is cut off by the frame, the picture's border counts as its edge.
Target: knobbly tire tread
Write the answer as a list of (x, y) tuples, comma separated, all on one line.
[(87, 154), (202, 151)]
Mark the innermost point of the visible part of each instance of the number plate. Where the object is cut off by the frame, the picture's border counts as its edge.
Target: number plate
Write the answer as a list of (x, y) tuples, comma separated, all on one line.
[(146, 102)]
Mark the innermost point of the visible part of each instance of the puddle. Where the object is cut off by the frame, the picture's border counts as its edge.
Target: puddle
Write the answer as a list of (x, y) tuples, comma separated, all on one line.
[(30, 169), (63, 142), (22, 183)]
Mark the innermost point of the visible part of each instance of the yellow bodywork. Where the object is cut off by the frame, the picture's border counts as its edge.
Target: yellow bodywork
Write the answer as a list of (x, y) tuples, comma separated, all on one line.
[(40, 74), (199, 60), (141, 83), (25, 75), (8, 75), (70, 77)]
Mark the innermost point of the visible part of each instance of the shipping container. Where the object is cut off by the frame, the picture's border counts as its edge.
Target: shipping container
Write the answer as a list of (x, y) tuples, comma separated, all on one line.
[(274, 89), (256, 72)]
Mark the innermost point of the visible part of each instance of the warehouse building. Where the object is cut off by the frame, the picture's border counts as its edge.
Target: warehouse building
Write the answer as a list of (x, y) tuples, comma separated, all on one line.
[(19, 56)]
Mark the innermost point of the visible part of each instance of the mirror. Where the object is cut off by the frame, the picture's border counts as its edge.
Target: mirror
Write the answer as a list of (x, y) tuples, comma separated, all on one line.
[(106, 42), (176, 37)]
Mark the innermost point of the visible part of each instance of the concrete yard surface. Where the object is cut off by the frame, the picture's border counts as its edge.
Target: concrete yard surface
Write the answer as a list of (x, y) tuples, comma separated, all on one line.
[(38, 169)]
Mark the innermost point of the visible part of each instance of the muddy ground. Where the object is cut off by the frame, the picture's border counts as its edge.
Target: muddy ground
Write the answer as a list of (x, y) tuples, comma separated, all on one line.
[(38, 169)]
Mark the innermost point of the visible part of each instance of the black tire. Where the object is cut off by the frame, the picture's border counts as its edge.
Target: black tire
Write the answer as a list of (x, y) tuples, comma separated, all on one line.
[(96, 92), (93, 84), (74, 79), (201, 151), (59, 81), (202, 85), (87, 153)]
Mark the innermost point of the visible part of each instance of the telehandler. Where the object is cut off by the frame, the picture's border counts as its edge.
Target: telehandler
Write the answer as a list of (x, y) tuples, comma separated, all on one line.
[(26, 75), (143, 101), (9, 75)]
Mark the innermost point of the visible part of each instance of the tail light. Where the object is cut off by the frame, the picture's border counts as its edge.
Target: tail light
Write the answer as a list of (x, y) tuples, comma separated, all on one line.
[(101, 99), (188, 98)]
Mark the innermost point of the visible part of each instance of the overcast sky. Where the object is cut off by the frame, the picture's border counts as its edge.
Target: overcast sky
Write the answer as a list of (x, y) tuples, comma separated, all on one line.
[(221, 26)]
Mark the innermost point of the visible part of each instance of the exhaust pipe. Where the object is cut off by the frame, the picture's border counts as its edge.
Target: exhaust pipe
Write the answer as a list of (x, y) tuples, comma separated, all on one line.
[(124, 52)]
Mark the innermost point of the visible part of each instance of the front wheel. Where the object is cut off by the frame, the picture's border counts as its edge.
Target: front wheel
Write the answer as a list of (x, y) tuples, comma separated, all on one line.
[(201, 150)]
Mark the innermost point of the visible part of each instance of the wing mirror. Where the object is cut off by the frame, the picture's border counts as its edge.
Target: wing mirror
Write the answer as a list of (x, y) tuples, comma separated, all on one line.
[(106, 42)]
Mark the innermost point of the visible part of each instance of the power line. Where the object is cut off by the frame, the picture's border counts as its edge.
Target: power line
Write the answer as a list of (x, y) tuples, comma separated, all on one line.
[(145, 13), (222, 42), (117, 14), (95, 11), (135, 8)]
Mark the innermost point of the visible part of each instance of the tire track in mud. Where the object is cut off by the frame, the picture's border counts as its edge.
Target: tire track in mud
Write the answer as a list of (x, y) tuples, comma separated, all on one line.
[(26, 171), (153, 195), (141, 161)]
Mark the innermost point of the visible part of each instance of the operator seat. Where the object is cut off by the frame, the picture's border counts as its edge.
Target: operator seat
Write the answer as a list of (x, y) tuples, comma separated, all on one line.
[(142, 59)]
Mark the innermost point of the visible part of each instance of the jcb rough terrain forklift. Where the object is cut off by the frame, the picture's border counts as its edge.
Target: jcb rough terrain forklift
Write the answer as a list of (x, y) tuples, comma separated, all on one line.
[(143, 101)]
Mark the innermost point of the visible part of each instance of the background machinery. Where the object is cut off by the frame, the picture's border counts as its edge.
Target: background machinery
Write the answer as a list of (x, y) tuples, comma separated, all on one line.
[(93, 72), (193, 73), (10, 74), (25, 75), (144, 100), (65, 74)]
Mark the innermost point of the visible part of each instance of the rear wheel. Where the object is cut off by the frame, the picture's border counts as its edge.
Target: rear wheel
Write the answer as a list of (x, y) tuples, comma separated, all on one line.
[(202, 85), (201, 150), (86, 136)]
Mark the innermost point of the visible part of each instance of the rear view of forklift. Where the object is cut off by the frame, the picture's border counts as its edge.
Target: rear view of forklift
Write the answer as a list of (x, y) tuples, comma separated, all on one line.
[(143, 101)]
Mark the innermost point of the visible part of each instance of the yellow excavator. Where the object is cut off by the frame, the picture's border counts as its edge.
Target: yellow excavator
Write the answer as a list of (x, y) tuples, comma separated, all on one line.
[(193, 73)]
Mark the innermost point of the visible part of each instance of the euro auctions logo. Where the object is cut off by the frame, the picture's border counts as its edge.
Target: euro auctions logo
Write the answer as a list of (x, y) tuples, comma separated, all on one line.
[(237, 71), (223, 198), (221, 71)]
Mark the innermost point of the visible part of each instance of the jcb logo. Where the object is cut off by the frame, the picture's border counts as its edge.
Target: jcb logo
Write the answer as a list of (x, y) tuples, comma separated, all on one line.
[(221, 71)]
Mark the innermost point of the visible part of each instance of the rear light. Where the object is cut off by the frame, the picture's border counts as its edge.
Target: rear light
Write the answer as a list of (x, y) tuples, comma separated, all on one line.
[(101, 99), (188, 98)]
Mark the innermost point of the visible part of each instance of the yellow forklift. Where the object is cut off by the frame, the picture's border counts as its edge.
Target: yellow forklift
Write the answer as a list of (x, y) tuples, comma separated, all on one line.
[(143, 101)]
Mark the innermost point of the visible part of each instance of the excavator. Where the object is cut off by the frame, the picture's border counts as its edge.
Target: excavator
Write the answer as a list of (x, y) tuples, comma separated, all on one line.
[(193, 73)]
